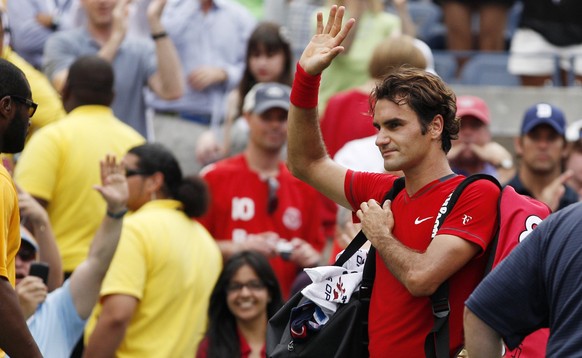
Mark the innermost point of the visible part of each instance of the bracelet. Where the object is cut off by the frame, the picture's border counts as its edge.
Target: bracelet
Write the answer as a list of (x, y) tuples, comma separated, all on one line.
[(159, 35), (117, 215), (305, 90)]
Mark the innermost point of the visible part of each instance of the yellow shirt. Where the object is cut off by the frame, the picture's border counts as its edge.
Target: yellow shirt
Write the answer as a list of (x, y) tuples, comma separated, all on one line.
[(170, 263), (60, 164), (9, 226)]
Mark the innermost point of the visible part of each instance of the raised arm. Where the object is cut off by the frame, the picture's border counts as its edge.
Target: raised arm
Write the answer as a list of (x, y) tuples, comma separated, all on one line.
[(307, 157), (87, 277), (168, 81)]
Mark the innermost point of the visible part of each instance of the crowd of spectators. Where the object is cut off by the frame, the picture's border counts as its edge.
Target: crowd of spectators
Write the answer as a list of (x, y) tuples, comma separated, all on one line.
[(176, 112)]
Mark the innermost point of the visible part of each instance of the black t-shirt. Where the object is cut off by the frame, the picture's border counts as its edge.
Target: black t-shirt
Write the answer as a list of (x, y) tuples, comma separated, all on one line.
[(538, 286), (558, 21), (570, 196)]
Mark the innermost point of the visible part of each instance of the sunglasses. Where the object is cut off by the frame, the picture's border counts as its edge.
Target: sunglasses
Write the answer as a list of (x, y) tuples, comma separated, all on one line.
[(132, 172), (30, 104), (26, 254)]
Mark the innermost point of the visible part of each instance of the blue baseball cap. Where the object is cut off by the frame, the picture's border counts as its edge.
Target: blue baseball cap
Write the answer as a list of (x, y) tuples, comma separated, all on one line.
[(544, 113)]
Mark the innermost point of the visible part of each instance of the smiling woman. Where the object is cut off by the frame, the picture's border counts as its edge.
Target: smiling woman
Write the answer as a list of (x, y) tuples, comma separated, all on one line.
[(244, 298)]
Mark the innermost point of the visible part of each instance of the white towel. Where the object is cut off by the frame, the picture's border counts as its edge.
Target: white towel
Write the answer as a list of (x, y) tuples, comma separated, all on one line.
[(334, 285)]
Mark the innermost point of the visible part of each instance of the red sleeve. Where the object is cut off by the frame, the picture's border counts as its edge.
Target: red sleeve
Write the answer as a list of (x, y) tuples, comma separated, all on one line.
[(473, 216)]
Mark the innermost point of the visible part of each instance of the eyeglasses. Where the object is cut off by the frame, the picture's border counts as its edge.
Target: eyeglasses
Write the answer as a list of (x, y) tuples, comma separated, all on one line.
[(26, 254), (254, 286), (272, 200), (132, 172), (30, 104)]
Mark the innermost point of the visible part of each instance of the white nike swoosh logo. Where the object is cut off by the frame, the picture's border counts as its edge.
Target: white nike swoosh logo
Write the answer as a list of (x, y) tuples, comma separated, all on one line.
[(418, 220)]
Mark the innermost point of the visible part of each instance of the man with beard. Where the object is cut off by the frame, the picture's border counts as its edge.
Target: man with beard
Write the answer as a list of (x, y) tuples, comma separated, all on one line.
[(542, 147), (16, 108), (474, 152)]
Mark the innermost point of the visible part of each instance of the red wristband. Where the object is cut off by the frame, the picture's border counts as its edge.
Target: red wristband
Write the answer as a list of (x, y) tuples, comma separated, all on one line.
[(305, 90)]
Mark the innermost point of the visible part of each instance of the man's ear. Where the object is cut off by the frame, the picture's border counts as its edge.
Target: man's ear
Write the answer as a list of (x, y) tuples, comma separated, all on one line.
[(6, 105), (435, 128)]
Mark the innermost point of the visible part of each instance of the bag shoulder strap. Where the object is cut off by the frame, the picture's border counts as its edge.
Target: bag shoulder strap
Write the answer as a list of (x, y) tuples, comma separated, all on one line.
[(437, 341)]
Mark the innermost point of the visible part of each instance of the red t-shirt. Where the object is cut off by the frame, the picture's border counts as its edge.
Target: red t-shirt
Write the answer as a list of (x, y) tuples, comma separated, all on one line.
[(239, 207), (245, 349), (399, 322)]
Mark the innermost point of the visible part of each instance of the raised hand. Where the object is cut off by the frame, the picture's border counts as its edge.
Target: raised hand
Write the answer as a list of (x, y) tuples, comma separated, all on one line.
[(113, 186), (326, 43), (120, 18), (155, 9), (552, 193), (377, 221), (31, 210), (31, 292)]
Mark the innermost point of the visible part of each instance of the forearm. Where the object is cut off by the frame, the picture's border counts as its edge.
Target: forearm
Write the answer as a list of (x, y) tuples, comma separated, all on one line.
[(169, 72), (87, 278), (480, 339), (110, 48), (15, 338), (49, 253), (105, 339), (304, 140), (403, 263)]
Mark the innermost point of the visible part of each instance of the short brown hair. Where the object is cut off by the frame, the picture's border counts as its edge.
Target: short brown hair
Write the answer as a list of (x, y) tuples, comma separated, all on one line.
[(426, 94)]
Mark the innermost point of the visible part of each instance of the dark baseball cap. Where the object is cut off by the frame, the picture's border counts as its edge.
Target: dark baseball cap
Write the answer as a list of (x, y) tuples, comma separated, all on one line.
[(264, 96), (543, 113)]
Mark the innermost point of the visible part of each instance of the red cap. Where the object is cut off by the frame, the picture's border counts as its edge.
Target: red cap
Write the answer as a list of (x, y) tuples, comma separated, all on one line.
[(474, 107)]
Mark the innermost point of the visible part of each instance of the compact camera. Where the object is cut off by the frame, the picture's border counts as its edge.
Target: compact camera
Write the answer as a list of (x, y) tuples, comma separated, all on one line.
[(284, 248)]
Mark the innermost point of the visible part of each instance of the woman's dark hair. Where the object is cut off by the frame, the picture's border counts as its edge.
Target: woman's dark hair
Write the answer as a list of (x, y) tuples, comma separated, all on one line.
[(267, 37), (191, 192), (426, 94), (222, 335)]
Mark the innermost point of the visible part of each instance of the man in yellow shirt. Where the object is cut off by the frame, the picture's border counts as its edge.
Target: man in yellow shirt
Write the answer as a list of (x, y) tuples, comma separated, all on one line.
[(16, 108), (60, 163)]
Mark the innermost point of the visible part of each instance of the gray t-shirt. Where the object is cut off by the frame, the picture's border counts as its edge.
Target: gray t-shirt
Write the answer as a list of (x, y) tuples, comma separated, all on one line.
[(134, 63)]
